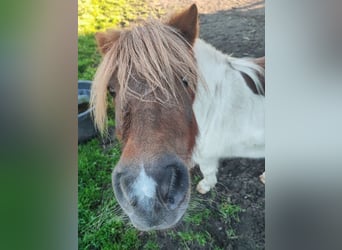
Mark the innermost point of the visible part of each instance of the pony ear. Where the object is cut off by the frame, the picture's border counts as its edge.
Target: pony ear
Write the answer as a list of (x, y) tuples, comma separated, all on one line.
[(187, 23), (105, 40)]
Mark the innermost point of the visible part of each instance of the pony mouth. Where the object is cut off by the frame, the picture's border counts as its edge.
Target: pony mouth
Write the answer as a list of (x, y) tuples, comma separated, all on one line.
[(162, 222), (155, 216)]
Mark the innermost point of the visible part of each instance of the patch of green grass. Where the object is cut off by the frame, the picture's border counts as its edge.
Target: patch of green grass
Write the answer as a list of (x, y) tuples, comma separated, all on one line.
[(231, 234), (101, 224), (151, 245), (228, 210), (190, 237), (196, 179), (213, 193), (201, 238), (172, 234), (186, 236), (94, 15), (88, 57), (197, 218)]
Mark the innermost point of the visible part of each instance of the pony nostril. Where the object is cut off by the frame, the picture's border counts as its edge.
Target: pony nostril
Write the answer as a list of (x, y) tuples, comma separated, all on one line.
[(171, 200), (134, 202), (173, 185), (123, 187)]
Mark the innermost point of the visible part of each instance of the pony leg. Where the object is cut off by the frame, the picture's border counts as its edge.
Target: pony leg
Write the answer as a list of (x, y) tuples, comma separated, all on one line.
[(263, 178), (209, 180)]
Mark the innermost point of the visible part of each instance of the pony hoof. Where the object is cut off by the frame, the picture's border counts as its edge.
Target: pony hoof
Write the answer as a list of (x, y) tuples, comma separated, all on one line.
[(202, 187), (262, 178)]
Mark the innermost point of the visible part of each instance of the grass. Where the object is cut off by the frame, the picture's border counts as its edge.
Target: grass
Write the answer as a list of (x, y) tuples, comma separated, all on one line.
[(197, 218), (151, 245), (88, 57), (228, 211), (102, 224), (190, 237), (94, 15)]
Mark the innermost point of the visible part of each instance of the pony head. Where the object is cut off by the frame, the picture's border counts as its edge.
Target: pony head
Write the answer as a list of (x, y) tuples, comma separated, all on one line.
[(150, 71)]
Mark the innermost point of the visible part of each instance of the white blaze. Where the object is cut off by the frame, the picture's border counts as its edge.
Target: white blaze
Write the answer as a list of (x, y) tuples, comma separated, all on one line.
[(144, 186)]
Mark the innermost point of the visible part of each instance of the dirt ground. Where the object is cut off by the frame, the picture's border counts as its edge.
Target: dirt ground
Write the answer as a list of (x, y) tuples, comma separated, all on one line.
[(236, 27)]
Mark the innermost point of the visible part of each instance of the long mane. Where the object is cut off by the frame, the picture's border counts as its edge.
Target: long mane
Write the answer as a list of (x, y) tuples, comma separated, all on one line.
[(152, 51)]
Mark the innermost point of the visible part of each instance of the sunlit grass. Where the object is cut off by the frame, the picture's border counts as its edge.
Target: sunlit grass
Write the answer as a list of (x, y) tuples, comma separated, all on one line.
[(94, 15)]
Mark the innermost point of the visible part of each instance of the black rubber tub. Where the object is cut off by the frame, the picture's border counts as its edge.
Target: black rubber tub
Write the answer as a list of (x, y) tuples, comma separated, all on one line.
[(86, 129)]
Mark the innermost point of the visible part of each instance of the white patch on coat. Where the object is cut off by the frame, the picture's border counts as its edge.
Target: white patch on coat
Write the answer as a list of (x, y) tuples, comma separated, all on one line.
[(230, 117), (144, 186)]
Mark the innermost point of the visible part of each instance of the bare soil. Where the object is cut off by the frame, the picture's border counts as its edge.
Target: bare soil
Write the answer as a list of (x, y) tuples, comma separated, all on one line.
[(236, 27)]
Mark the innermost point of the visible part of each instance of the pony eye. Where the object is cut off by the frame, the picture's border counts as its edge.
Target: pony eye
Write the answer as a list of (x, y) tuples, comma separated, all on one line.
[(111, 91), (185, 82)]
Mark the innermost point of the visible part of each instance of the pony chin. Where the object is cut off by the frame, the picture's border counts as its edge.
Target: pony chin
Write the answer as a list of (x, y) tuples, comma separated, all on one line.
[(169, 222)]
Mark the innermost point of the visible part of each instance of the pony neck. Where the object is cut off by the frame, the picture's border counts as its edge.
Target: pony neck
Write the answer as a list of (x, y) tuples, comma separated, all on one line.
[(226, 109)]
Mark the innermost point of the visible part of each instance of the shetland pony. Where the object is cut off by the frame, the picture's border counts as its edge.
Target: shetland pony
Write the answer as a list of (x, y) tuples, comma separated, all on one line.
[(178, 101)]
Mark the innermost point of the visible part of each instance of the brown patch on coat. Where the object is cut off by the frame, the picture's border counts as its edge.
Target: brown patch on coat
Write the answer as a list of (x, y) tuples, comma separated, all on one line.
[(249, 81), (105, 40), (187, 23), (146, 66)]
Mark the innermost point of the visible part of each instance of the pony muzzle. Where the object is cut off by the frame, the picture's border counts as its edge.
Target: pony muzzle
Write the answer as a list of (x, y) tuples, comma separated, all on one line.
[(155, 195)]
